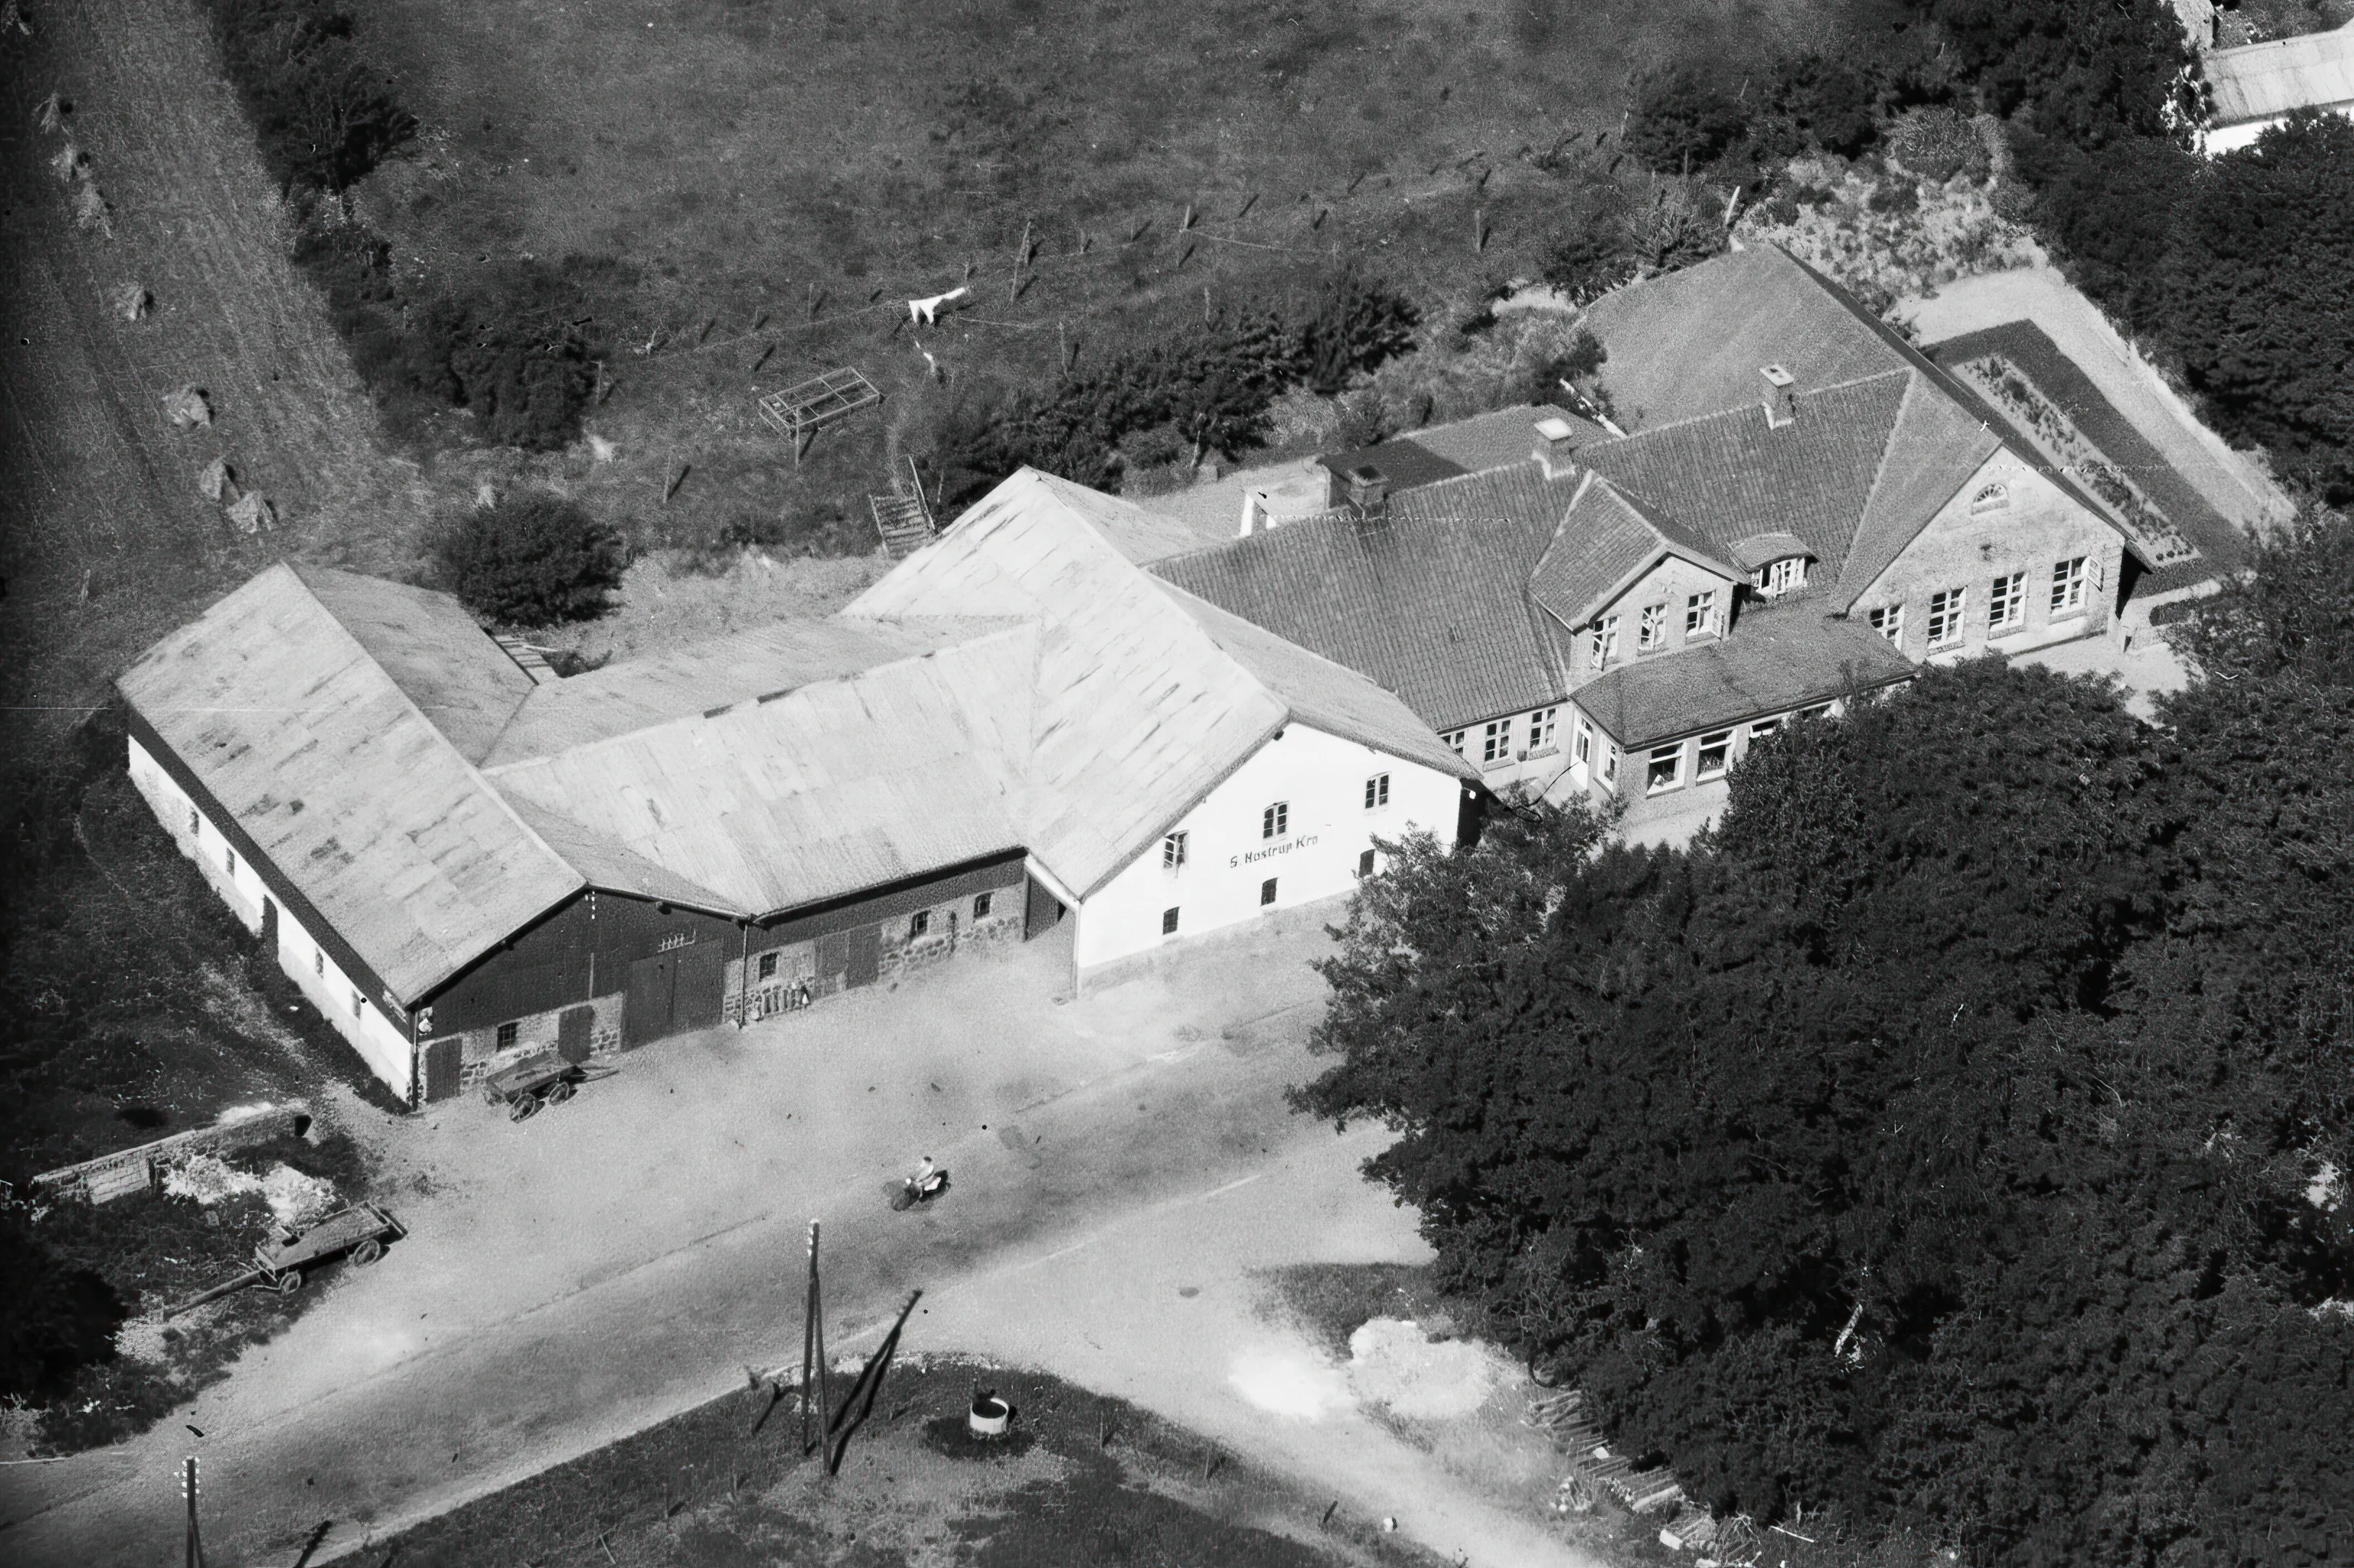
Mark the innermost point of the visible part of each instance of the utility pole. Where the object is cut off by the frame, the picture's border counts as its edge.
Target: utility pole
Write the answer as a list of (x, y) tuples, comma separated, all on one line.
[(188, 1491), (813, 1356)]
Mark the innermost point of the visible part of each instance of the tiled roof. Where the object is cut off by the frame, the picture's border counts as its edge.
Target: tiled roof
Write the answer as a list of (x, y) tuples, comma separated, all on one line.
[(1500, 439), (1429, 603), (1763, 549), (1936, 445), (1775, 660), (1403, 462), (2033, 354), (1607, 539), (1730, 476), (355, 797)]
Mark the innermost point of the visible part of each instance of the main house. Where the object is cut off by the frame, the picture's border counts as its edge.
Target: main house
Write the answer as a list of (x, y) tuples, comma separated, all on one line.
[(1135, 725)]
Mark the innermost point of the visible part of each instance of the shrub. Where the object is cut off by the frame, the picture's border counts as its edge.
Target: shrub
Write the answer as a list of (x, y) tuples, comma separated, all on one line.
[(322, 116), (1682, 120), (55, 1318), (1351, 324), (530, 559), (511, 347)]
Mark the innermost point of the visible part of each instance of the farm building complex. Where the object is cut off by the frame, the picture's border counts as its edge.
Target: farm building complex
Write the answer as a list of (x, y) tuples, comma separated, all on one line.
[(1139, 726)]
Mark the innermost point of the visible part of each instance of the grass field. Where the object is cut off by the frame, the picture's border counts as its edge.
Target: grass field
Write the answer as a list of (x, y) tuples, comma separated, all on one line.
[(777, 178)]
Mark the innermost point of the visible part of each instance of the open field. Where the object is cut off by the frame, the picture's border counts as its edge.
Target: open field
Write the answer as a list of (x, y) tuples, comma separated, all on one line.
[(777, 180)]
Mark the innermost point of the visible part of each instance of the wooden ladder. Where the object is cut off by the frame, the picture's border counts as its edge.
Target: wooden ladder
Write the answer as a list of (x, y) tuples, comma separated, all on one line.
[(904, 518)]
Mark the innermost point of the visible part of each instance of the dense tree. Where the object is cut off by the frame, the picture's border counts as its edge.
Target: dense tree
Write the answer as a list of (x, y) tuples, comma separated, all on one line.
[(510, 346), (530, 559), (323, 116)]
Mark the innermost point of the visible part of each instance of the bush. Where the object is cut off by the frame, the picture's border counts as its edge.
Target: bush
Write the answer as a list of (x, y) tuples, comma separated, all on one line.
[(322, 116), (1683, 119), (511, 347), (55, 1318), (532, 559), (1351, 324)]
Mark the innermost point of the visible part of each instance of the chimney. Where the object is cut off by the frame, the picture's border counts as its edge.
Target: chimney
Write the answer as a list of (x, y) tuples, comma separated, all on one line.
[(1781, 403), (1557, 451), (1368, 492)]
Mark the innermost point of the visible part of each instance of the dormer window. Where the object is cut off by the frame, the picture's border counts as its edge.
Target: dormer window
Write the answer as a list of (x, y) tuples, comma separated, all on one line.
[(1777, 577), (1993, 498)]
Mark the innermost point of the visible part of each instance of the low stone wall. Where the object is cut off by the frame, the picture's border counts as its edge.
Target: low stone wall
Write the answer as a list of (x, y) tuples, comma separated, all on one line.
[(140, 1169)]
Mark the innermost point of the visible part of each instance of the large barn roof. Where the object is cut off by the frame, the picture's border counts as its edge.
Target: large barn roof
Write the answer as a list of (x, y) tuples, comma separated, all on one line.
[(338, 775)]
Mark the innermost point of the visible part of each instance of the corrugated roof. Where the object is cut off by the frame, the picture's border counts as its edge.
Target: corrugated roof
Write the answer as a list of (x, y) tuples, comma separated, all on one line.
[(342, 780), (1139, 712), (1775, 662), (1732, 475), (832, 787), (742, 666), (2258, 82), (454, 672), (1430, 603)]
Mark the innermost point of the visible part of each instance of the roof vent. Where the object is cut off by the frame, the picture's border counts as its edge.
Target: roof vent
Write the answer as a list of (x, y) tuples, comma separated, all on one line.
[(1367, 489), (1556, 447), (1781, 401)]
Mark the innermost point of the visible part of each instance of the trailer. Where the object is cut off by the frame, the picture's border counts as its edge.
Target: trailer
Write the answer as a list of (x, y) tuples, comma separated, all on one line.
[(543, 1080), (358, 1233)]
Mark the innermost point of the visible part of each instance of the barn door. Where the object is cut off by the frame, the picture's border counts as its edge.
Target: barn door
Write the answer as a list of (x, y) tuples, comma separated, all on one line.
[(702, 985), (653, 993), (441, 1065), (833, 960), (1040, 909), (865, 955), (572, 1027)]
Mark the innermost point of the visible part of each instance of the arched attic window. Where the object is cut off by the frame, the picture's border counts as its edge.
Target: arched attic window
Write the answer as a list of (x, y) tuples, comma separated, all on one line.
[(1992, 498)]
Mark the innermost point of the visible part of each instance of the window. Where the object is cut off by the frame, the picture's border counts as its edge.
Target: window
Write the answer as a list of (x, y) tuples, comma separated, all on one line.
[(1584, 739), (229, 859), (1496, 742), (1173, 852), (1993, 498), (1169, 921), (1653, 629), (982, 903), (768, 966), (2007, 607), (359, 1005), (1365, 863), (2067, 587), (1762, 728), (1889, 621), (1667, 769), (1377, 791), (1602, 643), (195, 823), (1543, 729), (1946, 617), (1699, 614), (507, 1033), (319, 962), (918, 923), (1713, 751), (1610, 764), (1821, 709), (1276, 820), (1780, 577), (1454, 739), (1266, 891)]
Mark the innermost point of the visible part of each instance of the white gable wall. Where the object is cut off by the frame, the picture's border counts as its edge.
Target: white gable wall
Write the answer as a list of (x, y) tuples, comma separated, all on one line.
[(1321, 778)]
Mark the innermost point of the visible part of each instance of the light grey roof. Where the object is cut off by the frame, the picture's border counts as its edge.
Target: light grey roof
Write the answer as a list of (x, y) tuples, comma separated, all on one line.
[(454, 672), (1776, 659), (1430, 602), (340, 779), (2261, 81)]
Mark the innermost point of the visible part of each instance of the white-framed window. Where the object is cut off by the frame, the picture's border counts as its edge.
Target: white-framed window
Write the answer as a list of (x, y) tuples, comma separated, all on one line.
[(1266, 892), (1364, 866), (319, 962), (1610, 764), (196, 825), (1377, 791), (1543, 728), (768, 966), (229, 859), (1762, 729), (1651, 632), (2068, 586), (1889, 621), (1495, 741), (1454, 739), (1777, 577), (982, 903), (1584, 739), (1715, 753), (918, 923), (359, 1005), (1169, 921), (1945, 616), (1992, 498), (1699, 614), (1666, 770), (1602, 643), (1172, 851), (2007, 603), (1821, 709), (508, 1035), (1276, 820)]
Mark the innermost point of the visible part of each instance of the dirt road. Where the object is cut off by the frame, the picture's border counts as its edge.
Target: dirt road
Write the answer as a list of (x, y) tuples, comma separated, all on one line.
[(574, 1277)]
